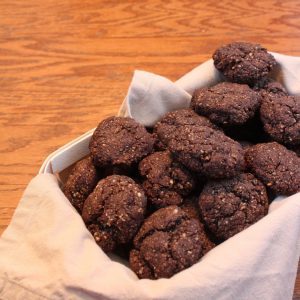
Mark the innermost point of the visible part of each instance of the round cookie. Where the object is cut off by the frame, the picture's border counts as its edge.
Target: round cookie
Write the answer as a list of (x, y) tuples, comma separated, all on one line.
[(168, 242), (226, 103), (121, 142), (114, 211), (166, 128), (207, 151), (281, 118), (230, 206), (276, 166), (167, 181), (243, 62), (81, 182)]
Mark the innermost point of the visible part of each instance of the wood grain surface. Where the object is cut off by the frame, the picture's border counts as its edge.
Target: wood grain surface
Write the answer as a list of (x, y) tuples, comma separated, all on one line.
[(66, 65)]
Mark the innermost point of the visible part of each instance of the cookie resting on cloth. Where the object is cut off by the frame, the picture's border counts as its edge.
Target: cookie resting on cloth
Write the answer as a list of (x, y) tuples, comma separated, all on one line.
[(231, 205), (168, 242), (276, 166), (81, 182), (243, 62), (114, 211)]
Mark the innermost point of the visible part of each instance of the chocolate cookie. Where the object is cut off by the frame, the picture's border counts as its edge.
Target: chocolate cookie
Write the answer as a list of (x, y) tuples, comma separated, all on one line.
[(166, 128), (226, 103), (230, 206), (120, 142), (270, 86), (207, 151), (114, 211), (168, 242), (81, 182), (243, 62), (277, 167), (167, 181), (281, 118)]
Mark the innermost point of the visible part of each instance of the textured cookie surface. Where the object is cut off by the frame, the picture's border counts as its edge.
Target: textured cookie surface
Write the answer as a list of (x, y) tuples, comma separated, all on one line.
[(168, 242), (281, 118), (166, 128), (114, 211), (276, 166), (81, 182), (226, 103), (120, 142), (207, 151), (229, 206), (243, 62), (167, 181)]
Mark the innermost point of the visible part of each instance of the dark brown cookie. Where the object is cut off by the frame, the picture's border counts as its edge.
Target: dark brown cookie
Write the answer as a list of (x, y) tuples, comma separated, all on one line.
[(166, 128), (281, 118), (207, 151), (168, 242), (120, 142), (226, 103), (276, 166), (114, 211), (81, 182), (243, 62), (230, 206), (167, 181), (270, 86)]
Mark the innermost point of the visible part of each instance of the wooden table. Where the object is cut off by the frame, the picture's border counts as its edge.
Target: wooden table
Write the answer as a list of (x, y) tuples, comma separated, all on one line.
[(66, 65)]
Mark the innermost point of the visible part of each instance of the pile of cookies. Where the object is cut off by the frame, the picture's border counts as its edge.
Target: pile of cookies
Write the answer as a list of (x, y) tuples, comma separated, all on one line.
[(165, 196)]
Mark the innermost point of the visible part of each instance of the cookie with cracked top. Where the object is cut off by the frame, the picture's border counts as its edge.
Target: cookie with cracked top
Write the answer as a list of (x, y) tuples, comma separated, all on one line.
[(281, 118), (114, 211), (120, 142), (243, 62), (81, 182), (166, 180), (166, 128), (168, 242), (276, 166), (207, 151), (230, 206), (226, 103)]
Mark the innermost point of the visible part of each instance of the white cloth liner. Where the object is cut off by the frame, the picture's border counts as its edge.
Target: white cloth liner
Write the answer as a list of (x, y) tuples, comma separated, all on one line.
[(47, 253)]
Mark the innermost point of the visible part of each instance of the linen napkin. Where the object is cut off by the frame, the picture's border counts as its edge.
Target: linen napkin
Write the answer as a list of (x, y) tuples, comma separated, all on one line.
[(47, 253)]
